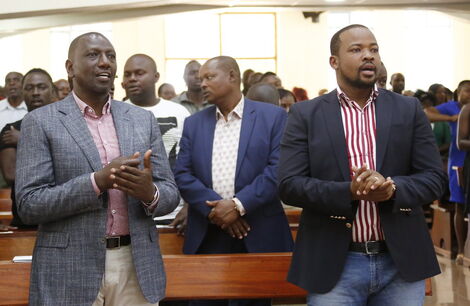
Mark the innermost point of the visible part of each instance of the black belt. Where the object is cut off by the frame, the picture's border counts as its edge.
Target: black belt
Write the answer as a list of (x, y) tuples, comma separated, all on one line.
[(117, 241), (369, 247)]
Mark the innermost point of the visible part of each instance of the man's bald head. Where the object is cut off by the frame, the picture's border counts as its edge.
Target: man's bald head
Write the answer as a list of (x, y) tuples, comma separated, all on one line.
[(144, 58), (76, 41), (264, 92), (226, 64)]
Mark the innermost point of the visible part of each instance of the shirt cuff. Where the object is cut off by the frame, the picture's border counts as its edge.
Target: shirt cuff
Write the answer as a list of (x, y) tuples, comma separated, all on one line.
[(93, 182), (239, 206), (149, 207)]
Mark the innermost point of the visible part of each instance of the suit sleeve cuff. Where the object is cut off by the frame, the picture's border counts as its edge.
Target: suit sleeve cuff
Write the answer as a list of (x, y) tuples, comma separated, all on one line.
[(239, 206)]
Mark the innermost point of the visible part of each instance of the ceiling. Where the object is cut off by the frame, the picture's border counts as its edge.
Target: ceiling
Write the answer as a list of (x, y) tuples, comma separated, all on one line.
[(26, 15)]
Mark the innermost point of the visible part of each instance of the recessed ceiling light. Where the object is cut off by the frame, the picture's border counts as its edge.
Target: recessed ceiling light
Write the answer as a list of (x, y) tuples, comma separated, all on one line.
[(334, 1)]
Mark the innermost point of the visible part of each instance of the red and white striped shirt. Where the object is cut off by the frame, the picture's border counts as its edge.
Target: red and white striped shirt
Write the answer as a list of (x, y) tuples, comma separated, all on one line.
[(359, 130)]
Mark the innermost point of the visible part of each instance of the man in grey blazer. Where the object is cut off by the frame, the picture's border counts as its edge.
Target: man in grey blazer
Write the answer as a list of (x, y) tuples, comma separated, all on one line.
[(81, 177)]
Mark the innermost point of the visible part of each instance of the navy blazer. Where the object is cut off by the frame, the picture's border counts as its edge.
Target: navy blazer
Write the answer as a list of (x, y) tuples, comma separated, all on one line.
[(255, 178), (314, 174)]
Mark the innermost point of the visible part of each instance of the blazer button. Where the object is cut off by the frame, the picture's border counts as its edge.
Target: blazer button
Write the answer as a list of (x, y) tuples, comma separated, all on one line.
[(348, 225)]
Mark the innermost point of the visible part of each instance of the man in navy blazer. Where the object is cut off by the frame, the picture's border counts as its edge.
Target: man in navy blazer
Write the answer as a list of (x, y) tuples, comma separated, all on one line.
[(361, 162), (227, 169)]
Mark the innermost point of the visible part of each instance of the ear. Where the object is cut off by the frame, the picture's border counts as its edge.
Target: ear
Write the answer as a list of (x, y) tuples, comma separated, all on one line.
[(157, 77), (231, 75), (69, 68), (334, 62)]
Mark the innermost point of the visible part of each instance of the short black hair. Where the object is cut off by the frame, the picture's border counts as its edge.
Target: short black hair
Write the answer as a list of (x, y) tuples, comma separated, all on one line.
[(267, 74), (284, 93), (160, 88), (38, 70), (434, 87), (336, 41), (459, 87), (227, 63), (76, 40)]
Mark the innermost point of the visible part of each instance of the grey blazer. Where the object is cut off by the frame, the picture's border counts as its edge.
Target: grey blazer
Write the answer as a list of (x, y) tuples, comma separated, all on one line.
[(56, 156)]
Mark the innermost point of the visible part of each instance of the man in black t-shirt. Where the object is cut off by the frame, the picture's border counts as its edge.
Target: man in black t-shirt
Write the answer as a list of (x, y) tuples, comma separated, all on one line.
[(38, 90)]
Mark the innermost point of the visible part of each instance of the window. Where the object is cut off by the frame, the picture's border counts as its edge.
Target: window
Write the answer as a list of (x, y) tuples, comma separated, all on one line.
[(250, 38)]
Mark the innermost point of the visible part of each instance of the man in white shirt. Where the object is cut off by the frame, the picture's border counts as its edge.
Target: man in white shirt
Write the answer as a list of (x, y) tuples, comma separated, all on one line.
[(140, 77), (12, 108)]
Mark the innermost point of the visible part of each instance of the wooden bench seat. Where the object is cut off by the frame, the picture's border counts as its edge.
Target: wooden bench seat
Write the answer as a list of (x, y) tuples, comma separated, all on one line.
[(191, 277)]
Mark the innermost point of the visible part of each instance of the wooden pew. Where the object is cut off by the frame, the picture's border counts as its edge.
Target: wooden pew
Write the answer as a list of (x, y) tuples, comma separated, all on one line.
[(191, 277), (259, 275), (5, 210), (21, 243), (442, 230), (5, 193)]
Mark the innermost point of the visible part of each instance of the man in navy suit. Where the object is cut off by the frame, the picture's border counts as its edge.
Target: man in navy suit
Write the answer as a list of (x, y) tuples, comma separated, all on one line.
[(361, 161), (227, 170)]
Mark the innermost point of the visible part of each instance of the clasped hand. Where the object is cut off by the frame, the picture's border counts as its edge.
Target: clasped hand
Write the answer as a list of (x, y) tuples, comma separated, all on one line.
[(122, 173), (370, 185), (225, 215)]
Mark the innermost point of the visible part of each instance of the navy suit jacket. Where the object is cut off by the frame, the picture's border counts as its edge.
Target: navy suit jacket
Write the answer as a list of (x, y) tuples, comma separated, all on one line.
[(314, 174), (255, 178)]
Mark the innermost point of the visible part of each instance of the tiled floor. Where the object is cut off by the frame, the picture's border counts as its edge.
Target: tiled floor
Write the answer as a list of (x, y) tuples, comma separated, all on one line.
[(452, 286)]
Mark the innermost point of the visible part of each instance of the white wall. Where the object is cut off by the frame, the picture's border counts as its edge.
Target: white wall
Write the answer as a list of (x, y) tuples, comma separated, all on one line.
[(426, 46)]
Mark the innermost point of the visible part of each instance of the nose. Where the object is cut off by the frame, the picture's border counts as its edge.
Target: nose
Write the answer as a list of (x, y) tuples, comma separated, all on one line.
[(368, 54), (203, 84), (132, 77), (103, 61), (35, 91)]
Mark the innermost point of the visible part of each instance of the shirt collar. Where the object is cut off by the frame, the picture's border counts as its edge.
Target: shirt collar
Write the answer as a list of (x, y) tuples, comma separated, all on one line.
[(86, 109), (343, 98), (183, 98), (237, 111), (7, 105)]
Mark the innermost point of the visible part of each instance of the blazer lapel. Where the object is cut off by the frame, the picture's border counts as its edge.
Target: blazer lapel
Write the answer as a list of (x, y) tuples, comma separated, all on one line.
[(208, 129), (76, 126), (334, 124), (124, 128), (383, 114), (248, 122)]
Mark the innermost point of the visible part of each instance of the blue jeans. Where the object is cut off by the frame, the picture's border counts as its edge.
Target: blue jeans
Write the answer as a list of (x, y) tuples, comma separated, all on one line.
[(370, 280)]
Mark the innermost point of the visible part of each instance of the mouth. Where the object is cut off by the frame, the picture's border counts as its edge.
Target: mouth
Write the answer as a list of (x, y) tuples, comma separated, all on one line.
[(103, 76), (133, 88), (37, 102), (368, 69)]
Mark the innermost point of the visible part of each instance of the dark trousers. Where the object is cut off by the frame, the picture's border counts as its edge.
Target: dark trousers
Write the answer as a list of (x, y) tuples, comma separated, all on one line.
[(219, 242)]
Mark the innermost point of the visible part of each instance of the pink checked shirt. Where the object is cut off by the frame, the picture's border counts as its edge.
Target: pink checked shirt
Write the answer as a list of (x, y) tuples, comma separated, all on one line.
[(104, 135), (360, 132)]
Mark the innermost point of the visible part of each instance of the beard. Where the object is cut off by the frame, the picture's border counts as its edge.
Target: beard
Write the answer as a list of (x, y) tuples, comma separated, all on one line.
[(360, 83)]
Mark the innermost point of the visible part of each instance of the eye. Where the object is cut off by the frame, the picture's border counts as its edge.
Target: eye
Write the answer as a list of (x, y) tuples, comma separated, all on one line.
[(92, 54), (112, 56), (355, 50), (374, 50)]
